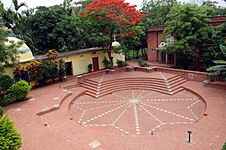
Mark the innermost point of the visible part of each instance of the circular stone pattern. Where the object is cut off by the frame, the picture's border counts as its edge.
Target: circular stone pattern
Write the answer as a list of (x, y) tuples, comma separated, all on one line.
[(138, 112)]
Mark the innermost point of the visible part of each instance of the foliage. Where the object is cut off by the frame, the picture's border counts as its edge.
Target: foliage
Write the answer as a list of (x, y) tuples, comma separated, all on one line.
[(217, 10), (76, 33), (32, 68), (188, 25), (49, 69), (43, 74), (113, 17), (7, 51), (135, 54), (216, 38), (224, 146), (121, 63), (5, 83), (157, 11), (90, 67), (10, 139), (142, 63), (75, 7), (11, 16), (18, 91), (43, 25), (219, 70), (106, 63)]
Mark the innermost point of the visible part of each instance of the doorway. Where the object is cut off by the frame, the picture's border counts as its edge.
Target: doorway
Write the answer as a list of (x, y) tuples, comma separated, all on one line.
[(95, 63), (171, 58), (163, 57), (68, 68)]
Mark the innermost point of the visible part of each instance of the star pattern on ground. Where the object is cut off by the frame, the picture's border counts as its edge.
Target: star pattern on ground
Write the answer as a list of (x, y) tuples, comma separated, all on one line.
[(138, 111)]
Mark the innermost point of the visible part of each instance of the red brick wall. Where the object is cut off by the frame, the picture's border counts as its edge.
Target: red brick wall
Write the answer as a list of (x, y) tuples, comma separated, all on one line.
[(188, 74), (154, 39), (160, 36)]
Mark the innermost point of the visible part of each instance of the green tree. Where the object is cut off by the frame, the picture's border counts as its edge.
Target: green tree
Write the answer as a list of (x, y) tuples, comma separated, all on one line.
[(10, 139), (7, 51), (113, 17), (5, 83), (188, 25), (43, 26), (217, 10), (216, 38), (157, 11), (11, 15)]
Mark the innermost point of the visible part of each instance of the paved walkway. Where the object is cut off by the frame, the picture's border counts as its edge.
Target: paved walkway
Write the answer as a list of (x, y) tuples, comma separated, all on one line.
[(134, 119)]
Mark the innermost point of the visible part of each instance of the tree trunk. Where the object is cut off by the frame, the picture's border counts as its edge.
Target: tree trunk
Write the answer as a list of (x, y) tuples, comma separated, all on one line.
[(137, 51), (145, 54), (110, 47)]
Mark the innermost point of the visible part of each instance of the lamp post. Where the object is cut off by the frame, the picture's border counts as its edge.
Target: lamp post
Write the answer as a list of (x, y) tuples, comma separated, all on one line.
[(189, 135), (115, 44)]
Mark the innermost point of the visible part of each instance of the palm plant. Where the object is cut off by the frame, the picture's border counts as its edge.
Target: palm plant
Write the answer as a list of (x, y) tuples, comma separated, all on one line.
[(11, 15), (218, 72)]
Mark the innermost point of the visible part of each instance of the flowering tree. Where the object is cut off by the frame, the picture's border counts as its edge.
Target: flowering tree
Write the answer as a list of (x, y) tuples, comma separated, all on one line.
[(113, 17)]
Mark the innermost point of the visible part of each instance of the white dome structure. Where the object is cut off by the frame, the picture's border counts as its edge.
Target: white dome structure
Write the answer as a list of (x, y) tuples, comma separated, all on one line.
[(115, 44), (23, 52)]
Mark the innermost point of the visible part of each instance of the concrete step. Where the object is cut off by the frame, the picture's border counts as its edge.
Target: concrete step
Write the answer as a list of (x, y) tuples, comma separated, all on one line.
[(133, 79), (87, 84), (90, 94), (178, 83), (90, 88), (106, 86), (90, 81), (174, 78), (163, 87), (133, 86), (178, 90)]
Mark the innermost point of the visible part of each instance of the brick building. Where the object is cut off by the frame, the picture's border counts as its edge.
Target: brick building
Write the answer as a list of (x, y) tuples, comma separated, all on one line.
[(155, 36)]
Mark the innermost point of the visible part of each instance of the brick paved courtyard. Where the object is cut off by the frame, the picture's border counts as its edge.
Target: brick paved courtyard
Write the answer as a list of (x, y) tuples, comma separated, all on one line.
[(127, 110)]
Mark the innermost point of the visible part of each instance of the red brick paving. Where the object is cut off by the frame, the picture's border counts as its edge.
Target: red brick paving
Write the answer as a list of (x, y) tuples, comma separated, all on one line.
[(122, 120)]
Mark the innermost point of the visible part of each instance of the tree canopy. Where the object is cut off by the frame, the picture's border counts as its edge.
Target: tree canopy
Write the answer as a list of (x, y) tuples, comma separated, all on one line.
[(113, 17), (7, 51), (156, 11), (188, 25)]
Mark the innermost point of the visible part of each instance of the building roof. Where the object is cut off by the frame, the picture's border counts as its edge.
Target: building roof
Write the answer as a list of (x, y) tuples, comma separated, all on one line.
[(74, 52), (156, 28), (217, 20)]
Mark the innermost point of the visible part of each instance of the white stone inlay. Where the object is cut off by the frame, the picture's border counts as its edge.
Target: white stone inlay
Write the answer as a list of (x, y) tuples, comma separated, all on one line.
[(56, 98), (94, 144), (136, 103), (17, 109)]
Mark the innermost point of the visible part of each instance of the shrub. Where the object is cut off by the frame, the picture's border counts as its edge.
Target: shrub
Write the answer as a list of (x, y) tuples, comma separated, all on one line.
[(5, 83), (121, 63), (10, 139), (218, 72), (18, 91), (106, 63), (142, 63), (224, 146), (90, 67)]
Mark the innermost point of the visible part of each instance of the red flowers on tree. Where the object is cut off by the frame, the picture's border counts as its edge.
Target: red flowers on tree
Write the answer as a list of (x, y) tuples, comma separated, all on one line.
[(117, 15), (121, 14)]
